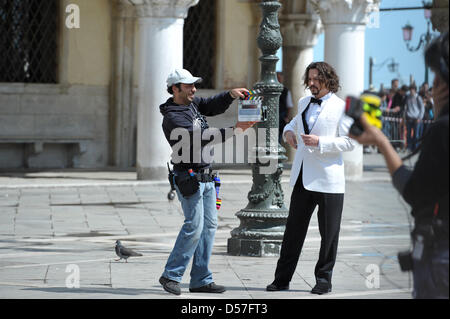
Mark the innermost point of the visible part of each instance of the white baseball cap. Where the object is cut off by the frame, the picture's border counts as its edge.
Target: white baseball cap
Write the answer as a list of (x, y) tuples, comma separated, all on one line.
[(182, 76)]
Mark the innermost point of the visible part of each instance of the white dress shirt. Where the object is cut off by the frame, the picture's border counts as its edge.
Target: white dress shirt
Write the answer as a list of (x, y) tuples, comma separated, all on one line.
[(313, 112)]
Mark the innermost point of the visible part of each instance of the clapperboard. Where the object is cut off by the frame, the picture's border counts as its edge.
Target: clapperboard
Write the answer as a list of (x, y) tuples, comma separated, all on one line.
[(250, 108)]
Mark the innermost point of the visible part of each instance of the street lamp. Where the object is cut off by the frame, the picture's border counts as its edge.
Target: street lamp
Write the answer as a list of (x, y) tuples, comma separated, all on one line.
[(425, 38), (407, 32), (263, 220), (392, 67)]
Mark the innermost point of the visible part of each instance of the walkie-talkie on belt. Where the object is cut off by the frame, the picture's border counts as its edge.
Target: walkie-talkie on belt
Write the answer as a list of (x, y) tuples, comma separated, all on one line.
[(170, 176)]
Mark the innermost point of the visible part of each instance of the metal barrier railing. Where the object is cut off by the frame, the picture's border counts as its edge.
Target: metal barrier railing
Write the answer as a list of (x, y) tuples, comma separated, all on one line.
[(394, 127)]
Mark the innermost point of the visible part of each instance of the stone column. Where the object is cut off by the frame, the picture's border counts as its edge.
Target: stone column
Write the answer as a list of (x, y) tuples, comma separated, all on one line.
[(439, 15), (160, 36), (123, 94), (300, 27), (344, 24)]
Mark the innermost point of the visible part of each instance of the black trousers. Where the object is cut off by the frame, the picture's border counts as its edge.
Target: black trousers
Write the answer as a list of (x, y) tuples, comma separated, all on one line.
[(303, 203)]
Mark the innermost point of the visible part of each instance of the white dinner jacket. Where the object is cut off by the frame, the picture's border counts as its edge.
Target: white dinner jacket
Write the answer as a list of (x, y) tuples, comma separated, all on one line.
[(323, 166)]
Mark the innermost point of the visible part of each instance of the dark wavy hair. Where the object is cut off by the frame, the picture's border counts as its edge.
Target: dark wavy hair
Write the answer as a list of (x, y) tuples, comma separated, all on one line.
[(436, 56), (327, 76)]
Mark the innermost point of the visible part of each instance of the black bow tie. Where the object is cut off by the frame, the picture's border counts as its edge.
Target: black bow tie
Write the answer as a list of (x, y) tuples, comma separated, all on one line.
[(316, 101)]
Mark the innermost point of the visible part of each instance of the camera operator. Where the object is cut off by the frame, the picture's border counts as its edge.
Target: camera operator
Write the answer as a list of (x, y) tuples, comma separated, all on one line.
[(426, 187)]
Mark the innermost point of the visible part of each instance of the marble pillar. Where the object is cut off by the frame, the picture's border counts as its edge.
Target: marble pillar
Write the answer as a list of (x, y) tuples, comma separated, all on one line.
[(160, 51), (344, 24), (123, 110), (300, 27)]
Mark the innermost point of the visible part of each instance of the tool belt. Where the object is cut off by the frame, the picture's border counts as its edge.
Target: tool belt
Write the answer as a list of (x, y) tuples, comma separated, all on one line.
[(189, 184), (205, 176)]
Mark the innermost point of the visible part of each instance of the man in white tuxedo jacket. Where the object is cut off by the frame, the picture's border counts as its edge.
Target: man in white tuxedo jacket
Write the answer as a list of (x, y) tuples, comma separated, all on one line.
[(319, 134)]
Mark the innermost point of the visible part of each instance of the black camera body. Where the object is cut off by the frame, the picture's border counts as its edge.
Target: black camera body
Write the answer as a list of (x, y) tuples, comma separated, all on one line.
[(405, 260), (353, 108), (367, 104)]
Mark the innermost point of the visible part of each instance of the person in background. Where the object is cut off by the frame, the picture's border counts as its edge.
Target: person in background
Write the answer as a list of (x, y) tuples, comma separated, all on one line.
[(414, 111), (397, 113), (387, 109), (384, 108), (390, 99), (428, 115), (394, 84), (285, 105), (399, 101), (423, 91)]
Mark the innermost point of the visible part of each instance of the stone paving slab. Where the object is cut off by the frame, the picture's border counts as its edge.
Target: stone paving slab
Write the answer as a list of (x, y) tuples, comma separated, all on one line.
[(52, 222)]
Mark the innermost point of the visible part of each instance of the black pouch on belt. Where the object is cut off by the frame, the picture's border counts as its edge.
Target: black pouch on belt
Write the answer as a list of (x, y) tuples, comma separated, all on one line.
[(187, 184)]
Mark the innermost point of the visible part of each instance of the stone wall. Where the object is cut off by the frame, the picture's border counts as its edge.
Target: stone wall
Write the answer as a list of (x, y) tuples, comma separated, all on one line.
[(53, 126)]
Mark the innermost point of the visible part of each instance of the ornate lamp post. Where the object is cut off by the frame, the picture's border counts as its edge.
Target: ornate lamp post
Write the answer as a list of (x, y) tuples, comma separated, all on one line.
[(262, 222), (425, 38)]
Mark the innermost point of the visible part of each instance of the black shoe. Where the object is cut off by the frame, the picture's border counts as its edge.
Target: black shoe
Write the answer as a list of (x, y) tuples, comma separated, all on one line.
[(170, 286), (274, 287), (210, 288), (321, 288)]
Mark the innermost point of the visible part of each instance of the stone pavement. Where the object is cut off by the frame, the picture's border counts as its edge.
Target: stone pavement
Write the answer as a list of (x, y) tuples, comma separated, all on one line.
[(56, 227)]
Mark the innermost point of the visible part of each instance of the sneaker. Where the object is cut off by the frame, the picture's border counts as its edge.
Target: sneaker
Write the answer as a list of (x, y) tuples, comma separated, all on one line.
[(274, 287), (321, 288), (210, 288), (170, 286)]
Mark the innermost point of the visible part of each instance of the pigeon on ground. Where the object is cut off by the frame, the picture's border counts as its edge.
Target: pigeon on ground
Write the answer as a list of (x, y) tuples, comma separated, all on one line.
[(124, 252)]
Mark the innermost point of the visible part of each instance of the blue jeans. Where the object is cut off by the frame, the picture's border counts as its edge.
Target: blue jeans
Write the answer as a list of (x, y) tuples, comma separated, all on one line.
[(411, 134), (431, 272), (196, 237), (387, 129)]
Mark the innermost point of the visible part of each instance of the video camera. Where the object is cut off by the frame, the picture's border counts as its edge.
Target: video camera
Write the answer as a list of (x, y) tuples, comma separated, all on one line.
[(368, 104)]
